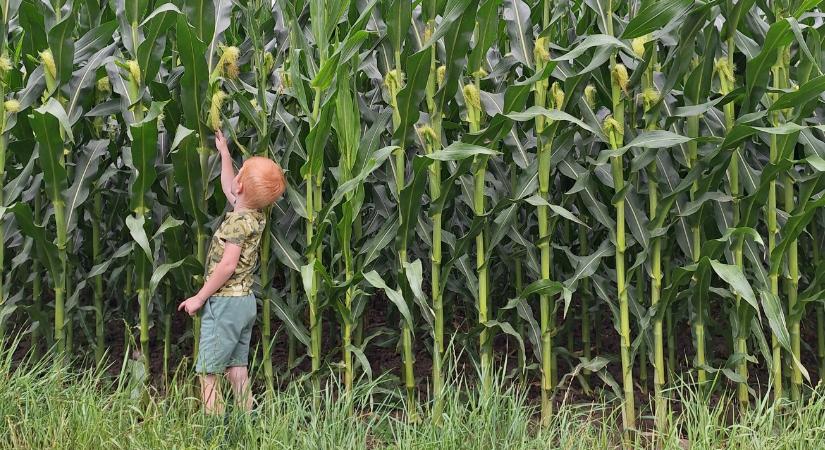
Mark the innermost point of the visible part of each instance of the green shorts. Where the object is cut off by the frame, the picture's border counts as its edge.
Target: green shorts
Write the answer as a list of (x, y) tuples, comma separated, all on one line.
[(226, 329)]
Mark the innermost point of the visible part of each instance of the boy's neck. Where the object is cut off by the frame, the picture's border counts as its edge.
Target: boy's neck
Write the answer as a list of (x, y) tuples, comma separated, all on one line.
[(240, 206)]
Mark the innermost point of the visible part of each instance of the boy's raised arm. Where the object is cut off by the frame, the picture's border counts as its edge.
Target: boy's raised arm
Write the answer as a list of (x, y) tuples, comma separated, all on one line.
[(227, 171)]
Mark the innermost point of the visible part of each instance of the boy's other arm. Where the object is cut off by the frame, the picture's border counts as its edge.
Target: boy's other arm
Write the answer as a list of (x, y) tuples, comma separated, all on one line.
[(222, 272), (227, 170)]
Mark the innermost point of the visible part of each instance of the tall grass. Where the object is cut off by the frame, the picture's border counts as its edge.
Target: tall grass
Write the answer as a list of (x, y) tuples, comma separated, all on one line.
[(48, 405)]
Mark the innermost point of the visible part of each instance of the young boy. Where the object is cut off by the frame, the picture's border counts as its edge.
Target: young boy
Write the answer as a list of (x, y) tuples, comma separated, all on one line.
[(229, 307)]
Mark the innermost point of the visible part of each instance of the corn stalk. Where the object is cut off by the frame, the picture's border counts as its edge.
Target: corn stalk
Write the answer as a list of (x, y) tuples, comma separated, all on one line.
[(5, 114), (544, 154), (348, 128), (727, 80), (650, 98), (614, 130), (779, 71), (191, 161), (53, 161), (431, 136), (692, 132), (792, 278)]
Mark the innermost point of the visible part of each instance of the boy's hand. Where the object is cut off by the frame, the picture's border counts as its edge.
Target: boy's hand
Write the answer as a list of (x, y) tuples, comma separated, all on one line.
[(191, 305), (220, 143)]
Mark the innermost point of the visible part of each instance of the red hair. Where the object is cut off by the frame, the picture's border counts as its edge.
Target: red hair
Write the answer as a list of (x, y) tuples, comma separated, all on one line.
[(263, 181)]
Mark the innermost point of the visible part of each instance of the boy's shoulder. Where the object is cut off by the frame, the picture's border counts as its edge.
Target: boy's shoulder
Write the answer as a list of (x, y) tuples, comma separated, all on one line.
[(242, 224)]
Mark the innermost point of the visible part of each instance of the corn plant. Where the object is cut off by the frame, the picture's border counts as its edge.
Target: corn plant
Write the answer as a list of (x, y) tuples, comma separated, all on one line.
[(575, 185)]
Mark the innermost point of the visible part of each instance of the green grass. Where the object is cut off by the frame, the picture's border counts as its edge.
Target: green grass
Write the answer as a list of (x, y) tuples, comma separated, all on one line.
[(44, 406)]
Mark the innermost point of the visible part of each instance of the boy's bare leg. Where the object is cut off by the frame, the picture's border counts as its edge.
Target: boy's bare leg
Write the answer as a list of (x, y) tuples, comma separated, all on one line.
[(239, 379), (211, 395)]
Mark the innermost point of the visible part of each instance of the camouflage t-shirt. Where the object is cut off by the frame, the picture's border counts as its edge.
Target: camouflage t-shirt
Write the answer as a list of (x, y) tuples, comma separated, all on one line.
[(243, 229)]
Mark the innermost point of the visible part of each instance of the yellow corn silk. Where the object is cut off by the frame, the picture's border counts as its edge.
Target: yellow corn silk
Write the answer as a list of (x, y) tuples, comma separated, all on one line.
[(243, 229)]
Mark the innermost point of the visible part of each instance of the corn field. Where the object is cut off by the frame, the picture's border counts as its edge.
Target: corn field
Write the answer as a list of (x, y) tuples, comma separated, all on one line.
[(594, 194)]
